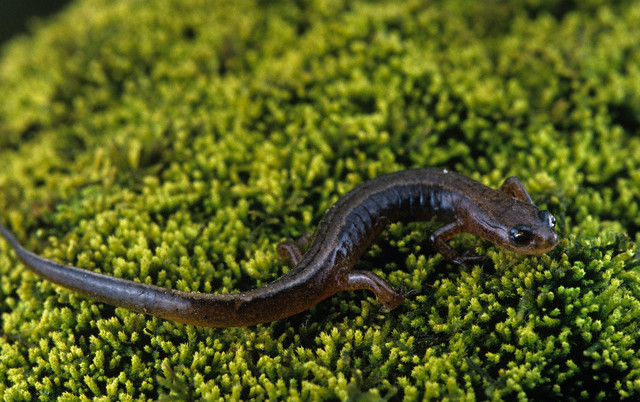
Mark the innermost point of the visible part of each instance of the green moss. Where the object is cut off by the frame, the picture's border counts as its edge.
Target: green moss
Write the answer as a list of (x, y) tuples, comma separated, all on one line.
[(178, 144)]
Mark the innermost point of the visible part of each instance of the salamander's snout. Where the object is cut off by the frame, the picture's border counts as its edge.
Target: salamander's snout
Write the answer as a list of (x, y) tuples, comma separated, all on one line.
[(548, 237), (535, 238)]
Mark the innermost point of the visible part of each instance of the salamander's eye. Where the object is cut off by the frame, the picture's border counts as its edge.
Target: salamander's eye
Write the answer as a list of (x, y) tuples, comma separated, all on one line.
[(521, 234), (546, 217)]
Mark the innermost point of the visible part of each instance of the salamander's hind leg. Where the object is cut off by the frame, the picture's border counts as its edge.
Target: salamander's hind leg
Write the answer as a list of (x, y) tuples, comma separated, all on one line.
[(389, 297), (292, 250)]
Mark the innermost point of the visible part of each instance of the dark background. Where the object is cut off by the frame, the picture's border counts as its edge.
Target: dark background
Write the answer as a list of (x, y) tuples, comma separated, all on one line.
[(16, 14)]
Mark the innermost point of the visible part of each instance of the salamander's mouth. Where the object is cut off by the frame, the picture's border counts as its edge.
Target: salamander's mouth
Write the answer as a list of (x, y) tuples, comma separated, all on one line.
[(549, 242), (540, 244)]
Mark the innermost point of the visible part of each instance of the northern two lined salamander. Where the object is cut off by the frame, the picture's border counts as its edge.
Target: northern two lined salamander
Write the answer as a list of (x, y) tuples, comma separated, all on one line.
[(506, 217)]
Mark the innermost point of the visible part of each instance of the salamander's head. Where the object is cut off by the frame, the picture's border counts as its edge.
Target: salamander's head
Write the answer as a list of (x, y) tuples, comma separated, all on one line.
[(533, 233), (514, 225)]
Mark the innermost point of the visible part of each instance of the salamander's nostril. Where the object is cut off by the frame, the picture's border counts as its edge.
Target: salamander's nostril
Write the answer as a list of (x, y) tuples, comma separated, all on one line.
[(543, 216), (547, 218)]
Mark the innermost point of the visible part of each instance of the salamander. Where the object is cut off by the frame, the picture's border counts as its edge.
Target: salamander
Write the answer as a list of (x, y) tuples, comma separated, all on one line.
[(506, 217)]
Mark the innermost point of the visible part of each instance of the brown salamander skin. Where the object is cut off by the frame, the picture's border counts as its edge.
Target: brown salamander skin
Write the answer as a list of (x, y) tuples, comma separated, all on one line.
[(506, 217)]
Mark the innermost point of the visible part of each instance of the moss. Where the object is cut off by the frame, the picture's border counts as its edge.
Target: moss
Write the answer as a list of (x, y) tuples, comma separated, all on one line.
[(178, 144)]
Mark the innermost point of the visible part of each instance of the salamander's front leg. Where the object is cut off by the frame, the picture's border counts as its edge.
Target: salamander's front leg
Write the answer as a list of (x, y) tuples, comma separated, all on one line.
[(387, 296), (514, 187), (440, 239)]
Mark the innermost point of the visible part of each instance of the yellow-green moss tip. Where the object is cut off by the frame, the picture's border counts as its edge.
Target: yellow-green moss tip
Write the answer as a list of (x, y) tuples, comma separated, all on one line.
[(177, 143)]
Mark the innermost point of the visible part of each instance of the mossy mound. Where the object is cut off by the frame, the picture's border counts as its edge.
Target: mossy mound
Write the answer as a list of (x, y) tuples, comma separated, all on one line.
[(177, 143)]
